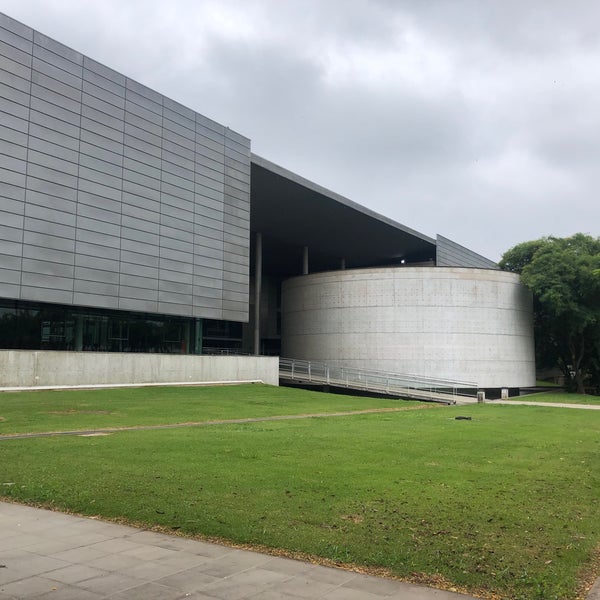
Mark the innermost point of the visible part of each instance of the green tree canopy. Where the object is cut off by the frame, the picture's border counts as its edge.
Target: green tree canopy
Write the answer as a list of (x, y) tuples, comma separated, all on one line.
[(564, 276)]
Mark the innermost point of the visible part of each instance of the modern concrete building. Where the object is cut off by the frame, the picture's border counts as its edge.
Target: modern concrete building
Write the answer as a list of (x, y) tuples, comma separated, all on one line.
[(130, 223), (454, 323)]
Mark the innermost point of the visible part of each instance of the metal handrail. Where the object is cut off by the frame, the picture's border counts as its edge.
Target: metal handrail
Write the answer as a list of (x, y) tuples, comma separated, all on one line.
[(372, 380)]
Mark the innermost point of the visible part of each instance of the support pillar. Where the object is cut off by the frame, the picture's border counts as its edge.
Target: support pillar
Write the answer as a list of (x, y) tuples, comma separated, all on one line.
[(257, 292), (305, 260), (343, 264)]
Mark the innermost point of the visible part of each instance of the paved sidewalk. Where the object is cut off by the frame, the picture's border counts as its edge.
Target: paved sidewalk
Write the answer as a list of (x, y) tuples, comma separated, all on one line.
[(548, 404), (516, 402), (50, 555)]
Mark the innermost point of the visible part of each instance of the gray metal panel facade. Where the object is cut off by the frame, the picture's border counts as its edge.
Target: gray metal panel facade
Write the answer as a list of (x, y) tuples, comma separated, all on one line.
[(451, 254), (112, 195)]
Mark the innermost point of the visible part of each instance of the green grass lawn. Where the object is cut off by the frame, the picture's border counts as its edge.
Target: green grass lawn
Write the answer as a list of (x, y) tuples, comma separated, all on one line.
[(64, 410), (506, 504)]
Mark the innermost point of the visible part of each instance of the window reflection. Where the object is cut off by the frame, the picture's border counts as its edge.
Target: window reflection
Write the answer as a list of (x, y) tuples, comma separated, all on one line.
[(38, 326)]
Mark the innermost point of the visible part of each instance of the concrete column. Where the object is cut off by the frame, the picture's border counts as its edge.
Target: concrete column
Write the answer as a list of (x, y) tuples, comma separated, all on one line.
[(305, 260), (504, 394), (257, 292), (343, 264)]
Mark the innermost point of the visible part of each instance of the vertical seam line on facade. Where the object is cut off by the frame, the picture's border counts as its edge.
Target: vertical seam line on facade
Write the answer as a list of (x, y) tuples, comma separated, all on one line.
[(75, 244), (26, 165)]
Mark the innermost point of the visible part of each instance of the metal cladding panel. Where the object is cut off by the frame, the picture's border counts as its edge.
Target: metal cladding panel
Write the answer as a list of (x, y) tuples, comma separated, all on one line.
[(236, 223), (209, 313), (93, 88), (95, 300), (45, 267), (86, 274), (138, 304), (235, 315), (11, 136), (96, 287), (11, 178), (15, 53), (49, 294), (175, 280), (105, 73), (10, 276), (451, 254), (112, 195)]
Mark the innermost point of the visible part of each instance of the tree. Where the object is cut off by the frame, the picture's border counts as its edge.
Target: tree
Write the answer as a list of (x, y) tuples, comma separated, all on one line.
[(564, 277)]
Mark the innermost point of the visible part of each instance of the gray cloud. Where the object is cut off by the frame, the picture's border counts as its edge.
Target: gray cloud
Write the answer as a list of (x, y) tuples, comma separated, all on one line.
[(475, 120)]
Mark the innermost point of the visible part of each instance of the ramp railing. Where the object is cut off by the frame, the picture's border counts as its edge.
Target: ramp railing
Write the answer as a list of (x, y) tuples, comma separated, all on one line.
[(379, 382)]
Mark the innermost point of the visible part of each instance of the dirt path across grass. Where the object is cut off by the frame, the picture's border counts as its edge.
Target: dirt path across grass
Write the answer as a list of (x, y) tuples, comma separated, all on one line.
[(109, 430)]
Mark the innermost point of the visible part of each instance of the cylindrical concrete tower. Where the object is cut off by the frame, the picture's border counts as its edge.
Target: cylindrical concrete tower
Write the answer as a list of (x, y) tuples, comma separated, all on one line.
[(462, 324)]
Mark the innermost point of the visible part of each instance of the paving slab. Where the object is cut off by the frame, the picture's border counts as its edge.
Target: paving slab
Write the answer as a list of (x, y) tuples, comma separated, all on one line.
[(594, 593), (52, 555), (125, 563)]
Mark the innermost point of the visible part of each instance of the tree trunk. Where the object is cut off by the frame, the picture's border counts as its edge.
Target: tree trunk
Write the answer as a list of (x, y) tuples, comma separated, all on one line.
[(579, 381), (577, 352)]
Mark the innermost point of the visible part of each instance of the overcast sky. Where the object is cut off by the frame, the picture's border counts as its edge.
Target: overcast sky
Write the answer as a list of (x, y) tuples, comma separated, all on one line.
[(476, 120)]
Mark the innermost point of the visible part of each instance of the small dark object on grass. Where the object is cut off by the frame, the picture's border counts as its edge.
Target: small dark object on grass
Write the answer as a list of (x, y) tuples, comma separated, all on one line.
[(463, 418)]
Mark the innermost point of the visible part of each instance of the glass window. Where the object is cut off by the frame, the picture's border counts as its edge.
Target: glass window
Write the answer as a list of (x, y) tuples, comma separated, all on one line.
[(38, 326)]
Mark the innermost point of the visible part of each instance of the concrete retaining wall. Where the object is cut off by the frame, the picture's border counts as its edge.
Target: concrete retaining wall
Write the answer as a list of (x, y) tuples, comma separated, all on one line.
[(31, 368), (473, 325)]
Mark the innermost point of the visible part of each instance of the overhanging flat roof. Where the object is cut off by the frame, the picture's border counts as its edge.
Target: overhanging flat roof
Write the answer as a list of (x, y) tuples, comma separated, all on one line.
[(292, 212)]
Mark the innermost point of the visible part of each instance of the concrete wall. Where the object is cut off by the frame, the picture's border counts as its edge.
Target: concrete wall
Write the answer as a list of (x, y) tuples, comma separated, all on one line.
[(29, 368), (112, 195), (472, 325)]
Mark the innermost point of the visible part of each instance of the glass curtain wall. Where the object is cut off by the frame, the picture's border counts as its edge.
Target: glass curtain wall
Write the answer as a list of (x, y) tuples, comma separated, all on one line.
[(39, 326)]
